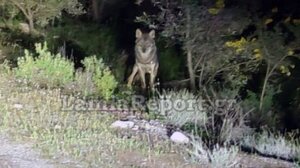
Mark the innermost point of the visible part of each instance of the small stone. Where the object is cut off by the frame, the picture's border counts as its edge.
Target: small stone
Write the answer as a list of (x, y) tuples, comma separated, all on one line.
[(135, 128), (122, 124), (18, 106), (131, 117), (148, 126), (179, 138)]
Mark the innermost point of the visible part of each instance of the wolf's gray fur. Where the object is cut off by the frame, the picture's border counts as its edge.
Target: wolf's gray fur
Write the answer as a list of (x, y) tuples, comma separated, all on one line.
[(146, 60)]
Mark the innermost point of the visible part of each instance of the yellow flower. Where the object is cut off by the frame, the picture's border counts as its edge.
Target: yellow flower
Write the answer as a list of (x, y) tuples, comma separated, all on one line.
[(282, 68), (239, 50), (268, 21), (288, 19), (290, 52), (296, 21), (220, 4), (258, 56), (256, 50), (292, 66), (213, 11), (228, 44), (274, 10), (288, 74), (243, 40)]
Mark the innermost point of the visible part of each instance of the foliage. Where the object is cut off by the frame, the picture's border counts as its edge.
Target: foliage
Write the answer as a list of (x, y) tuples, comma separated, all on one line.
[(5, 68), (218, 157), (60, 131), (170, 63), (216, 117), (275, 54), (45, 69), (224, 156), (266, 116), (102, 78), (85, 39), (180, 108), (50, 70), (274, 144), (200, 34), (41, 12), (227, 121)]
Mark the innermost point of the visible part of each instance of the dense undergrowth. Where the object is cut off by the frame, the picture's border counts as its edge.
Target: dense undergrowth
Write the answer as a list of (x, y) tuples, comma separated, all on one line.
[(32, 94), (247, 94)]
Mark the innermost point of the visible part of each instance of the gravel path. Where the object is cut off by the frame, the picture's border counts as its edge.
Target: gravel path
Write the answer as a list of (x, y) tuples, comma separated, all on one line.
[(13, 155)]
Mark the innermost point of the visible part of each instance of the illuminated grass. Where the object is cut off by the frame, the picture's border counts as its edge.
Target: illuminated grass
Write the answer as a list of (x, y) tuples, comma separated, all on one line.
[(35, 115)]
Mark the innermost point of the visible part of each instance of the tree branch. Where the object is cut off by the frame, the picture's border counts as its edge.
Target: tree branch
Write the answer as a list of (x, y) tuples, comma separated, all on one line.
[(18, 5)]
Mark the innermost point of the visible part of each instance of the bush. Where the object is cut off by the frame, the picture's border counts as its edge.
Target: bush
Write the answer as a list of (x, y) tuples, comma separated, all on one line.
[(218, 157), (5, 68), (96, 79), (277, 145), (267, 115), (45, 69), (180, 108)]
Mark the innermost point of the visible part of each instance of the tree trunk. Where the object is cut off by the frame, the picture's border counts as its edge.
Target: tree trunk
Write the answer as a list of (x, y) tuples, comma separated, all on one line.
[(189, 51), (191, 70), (263, 91), (31, 25), (95, 10)]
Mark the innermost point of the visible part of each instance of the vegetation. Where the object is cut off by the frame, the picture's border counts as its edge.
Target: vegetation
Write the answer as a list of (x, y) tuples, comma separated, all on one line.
[(277, 145), (231, 67), (45, 69), (102, 78), (218, 157), (38, 12), (79, 135), (54, 71)]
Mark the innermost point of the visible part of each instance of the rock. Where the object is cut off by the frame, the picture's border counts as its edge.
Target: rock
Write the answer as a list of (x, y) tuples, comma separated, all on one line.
[(179, 138), (147, 126), (122, 124), (131, 117), (24, 27), (18, 106), (135, 128)]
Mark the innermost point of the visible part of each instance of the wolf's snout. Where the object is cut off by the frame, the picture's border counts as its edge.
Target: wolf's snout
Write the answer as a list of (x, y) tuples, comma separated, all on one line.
[(144, 50)]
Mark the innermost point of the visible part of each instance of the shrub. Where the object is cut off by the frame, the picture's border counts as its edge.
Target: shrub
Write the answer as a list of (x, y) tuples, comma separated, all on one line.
[(5, 68), (218, 157), (84, 83), (180, 107), (223, 156), (103, 81), (277, 145), (45, 69), (267, 115)]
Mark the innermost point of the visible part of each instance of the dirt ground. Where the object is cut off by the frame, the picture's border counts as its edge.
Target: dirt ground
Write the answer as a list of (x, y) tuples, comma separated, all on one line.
[(16, 155)]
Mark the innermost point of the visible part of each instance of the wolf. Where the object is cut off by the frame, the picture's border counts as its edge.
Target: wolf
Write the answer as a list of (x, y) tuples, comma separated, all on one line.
[(146, 59)]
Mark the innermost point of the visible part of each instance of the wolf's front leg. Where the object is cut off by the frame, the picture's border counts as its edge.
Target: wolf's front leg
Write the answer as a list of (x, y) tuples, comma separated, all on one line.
[(131, 77), (143, 79), (153, 75)]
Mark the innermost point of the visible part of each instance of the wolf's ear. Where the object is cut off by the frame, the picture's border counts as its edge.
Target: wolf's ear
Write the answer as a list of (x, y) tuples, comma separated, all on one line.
[(138, 33), (152, 34)]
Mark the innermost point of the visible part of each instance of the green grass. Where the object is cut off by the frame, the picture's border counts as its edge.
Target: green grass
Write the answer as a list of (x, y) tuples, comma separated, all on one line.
[(285, 146), (35, 115)]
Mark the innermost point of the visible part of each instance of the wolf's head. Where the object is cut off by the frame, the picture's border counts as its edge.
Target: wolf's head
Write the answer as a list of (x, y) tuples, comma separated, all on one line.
[(145, 41)]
